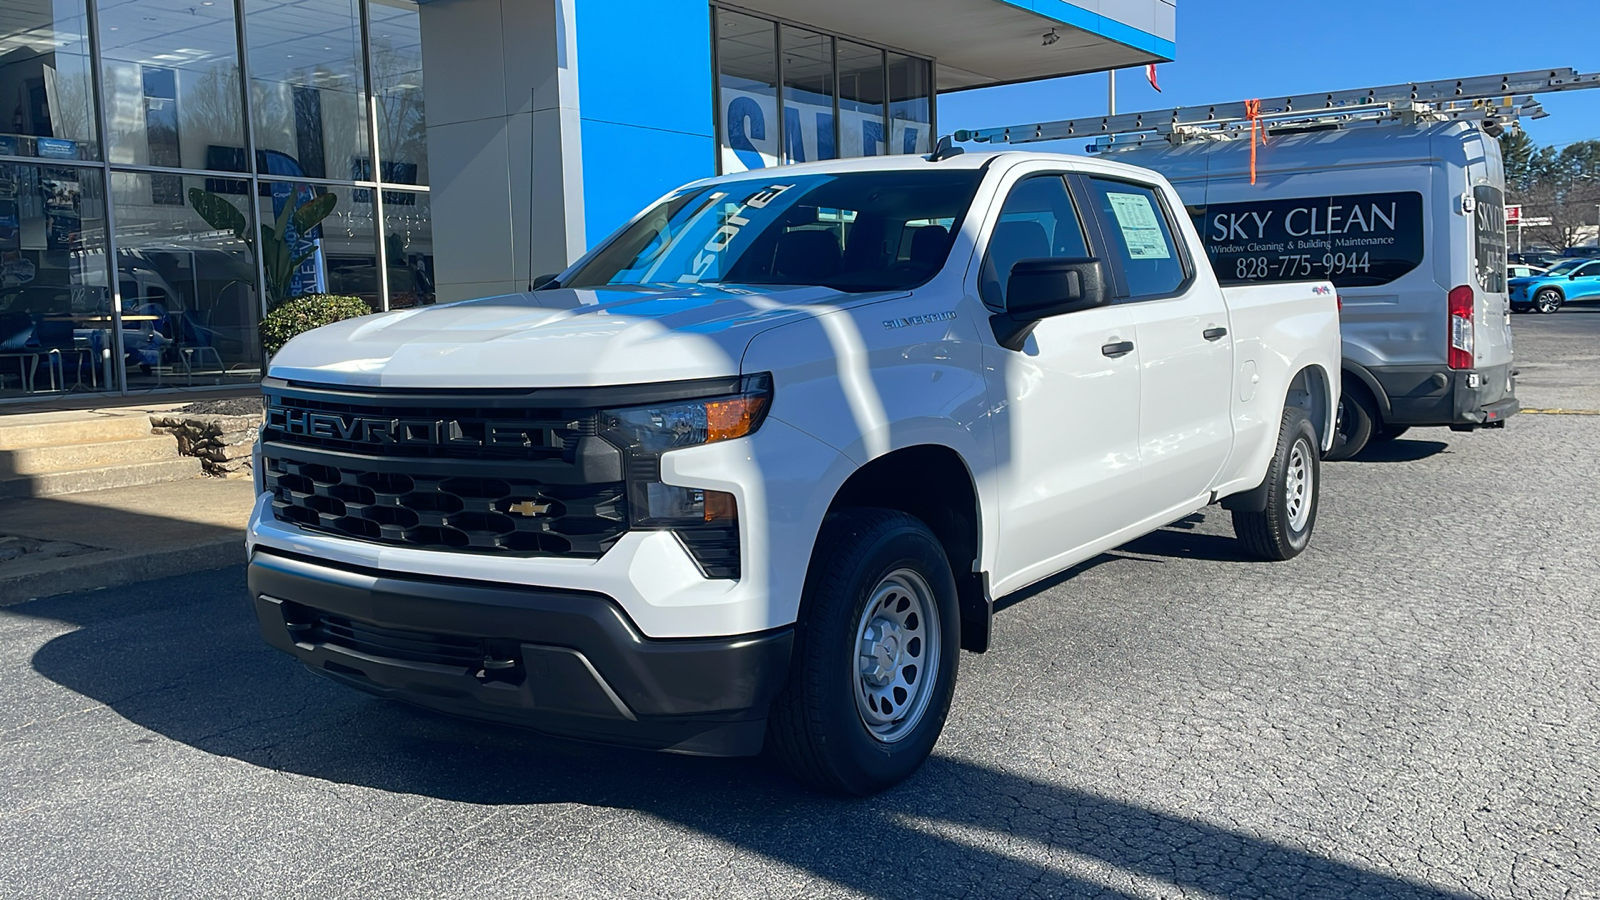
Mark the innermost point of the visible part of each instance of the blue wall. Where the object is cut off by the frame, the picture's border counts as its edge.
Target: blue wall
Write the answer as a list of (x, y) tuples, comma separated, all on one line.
[(645, 98)]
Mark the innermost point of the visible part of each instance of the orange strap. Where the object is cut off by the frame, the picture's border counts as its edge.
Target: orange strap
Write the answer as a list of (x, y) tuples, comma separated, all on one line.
[(1252, 111)]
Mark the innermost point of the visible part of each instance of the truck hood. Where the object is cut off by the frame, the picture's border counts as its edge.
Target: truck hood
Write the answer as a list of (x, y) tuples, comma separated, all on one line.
[(624, 334)]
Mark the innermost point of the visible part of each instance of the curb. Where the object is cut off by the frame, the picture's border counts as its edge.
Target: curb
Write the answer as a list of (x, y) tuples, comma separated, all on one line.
[(112, 569)]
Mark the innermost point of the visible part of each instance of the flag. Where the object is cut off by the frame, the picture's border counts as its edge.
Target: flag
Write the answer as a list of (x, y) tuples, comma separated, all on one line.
[(1150, 73)]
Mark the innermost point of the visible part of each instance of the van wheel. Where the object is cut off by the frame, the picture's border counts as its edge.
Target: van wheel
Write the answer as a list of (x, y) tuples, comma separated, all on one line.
[(1547, 301), (875, 656), (1387, 433), (1283, 529), (1357, 421)]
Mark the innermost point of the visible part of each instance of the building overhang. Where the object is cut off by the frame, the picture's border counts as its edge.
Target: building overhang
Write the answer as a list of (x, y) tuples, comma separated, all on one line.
[(984, 42)]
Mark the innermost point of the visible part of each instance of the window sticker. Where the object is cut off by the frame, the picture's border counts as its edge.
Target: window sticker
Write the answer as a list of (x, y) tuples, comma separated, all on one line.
[(1141, 230)]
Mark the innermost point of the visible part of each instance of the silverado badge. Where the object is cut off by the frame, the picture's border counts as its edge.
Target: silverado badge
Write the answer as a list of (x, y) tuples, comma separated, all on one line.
[(529, 508)]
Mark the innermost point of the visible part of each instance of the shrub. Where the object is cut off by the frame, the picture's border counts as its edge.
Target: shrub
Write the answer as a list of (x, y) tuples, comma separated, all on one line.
[(301, 314)]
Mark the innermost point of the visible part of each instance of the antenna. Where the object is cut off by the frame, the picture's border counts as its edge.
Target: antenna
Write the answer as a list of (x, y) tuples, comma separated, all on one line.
[(945, 149), (1495, 100)]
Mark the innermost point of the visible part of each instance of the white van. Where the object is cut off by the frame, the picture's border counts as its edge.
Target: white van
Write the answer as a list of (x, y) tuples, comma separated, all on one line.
[(1407, 221)]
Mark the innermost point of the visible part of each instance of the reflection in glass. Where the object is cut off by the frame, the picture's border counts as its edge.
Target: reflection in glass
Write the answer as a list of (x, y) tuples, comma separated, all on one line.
[(408, 244), (54, 305), (46, 92), (187, 279), (910, 104), (171, 83), (397, 84), (317, 239), (307, 87), (747, 91), (809, 131), (860, 100)]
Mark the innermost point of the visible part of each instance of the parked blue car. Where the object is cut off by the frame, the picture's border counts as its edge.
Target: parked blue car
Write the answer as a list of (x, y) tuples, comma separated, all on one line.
[(1568, 281)]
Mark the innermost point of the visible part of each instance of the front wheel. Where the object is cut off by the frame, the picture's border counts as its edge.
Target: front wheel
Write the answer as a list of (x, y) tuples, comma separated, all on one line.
[(875, 658), (1283, 529), (1547, 301)]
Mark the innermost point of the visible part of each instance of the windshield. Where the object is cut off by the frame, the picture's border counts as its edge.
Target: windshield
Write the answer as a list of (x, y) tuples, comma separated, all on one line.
[(853, 231), (1564, 267)]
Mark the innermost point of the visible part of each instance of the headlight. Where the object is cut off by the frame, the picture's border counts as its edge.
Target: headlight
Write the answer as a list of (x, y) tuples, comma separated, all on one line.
[(653, 430), (706, 521)]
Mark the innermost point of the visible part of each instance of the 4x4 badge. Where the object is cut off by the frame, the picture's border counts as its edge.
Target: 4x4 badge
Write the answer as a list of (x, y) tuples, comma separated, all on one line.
[(529, 508)]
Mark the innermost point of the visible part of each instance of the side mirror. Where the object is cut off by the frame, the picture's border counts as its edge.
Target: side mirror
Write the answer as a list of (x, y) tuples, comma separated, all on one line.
[(1041, 288), (543, 281)]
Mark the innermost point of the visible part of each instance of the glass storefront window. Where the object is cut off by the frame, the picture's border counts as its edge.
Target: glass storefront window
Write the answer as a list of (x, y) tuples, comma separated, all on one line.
[(408, 244), (910, 105), (337, 253), (307, 88), (55, 308), (187, 280), (809, 122), (171, 82), (46, 88), (860, 100), (747, 91), (396, 31)]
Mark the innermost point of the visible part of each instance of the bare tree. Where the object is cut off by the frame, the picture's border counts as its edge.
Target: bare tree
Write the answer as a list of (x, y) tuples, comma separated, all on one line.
[(1571, 209)]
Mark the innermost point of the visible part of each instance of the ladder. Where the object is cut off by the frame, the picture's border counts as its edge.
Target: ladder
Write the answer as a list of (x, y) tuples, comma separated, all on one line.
[(1494, 100)]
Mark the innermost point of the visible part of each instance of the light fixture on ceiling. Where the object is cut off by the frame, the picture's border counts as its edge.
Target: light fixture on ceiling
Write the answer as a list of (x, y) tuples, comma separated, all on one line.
[(1051, 37)]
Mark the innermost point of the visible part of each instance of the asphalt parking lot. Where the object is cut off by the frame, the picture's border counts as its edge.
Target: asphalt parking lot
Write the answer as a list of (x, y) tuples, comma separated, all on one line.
[(1408, 710)]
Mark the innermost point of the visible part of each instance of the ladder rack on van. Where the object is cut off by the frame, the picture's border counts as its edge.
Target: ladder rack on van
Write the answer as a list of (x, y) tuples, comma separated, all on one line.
[(1495, 100)]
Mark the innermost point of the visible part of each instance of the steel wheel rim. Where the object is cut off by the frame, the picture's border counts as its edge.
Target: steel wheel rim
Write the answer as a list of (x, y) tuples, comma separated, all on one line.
[(897, 655), (1297, 485)]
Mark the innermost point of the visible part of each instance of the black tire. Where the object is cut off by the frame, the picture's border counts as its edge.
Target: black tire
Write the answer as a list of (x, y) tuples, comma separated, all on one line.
[(1358, 420), (1387, 433), (1294, 483), (1547, 301), (1520, 307), (817, 726)]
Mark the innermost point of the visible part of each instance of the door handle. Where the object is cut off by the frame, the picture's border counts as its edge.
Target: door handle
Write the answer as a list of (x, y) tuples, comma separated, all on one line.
[(1214, 334), (1117, 348)]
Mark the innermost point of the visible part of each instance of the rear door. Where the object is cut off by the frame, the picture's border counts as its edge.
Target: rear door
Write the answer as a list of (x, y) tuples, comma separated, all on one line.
[(1185, 348)]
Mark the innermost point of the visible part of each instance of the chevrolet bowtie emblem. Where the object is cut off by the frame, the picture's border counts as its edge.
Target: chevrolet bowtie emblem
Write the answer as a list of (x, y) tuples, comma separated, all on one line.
[(529, 508)]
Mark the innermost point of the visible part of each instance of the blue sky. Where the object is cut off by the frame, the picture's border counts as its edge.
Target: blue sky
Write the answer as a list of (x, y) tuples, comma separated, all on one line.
[(1238, 49)]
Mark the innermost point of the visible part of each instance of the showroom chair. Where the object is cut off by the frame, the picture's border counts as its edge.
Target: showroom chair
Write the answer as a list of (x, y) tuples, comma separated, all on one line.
[(18, 341)]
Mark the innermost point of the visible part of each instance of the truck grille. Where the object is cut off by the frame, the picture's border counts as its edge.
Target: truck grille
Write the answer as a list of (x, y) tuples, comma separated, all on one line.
[(471, 474), (436, 512)]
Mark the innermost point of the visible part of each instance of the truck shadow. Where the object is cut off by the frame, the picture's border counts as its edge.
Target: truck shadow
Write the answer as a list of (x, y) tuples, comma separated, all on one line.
[(189, 665), (1400, 451)]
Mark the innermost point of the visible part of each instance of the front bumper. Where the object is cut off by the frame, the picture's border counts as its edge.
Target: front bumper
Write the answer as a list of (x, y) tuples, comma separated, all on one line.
[(563, 662), (1434, 395)]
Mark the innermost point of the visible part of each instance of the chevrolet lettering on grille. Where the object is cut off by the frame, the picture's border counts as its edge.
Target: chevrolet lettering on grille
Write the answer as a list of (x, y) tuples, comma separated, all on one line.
[(412, 432)]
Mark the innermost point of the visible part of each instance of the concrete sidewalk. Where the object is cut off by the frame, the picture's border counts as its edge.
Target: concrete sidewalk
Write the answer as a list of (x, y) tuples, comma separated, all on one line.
[(122, 535)]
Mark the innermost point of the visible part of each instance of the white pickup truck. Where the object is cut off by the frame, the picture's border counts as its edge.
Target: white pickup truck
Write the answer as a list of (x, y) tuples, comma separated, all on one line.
[(752, 472)]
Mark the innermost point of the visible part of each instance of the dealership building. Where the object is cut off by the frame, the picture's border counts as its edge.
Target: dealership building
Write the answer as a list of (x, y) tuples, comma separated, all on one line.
[(171, 169)]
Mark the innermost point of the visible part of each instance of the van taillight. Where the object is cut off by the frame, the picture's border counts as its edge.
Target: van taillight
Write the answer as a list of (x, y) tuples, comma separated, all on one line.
[(1461, 328)]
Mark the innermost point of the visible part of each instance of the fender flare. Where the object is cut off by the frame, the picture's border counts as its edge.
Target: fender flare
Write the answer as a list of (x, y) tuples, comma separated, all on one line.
[(1379, 395)]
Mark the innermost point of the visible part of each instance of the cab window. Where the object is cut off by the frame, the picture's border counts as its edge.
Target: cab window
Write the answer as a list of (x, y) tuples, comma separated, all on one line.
[(1037, 221), (1140, 235)]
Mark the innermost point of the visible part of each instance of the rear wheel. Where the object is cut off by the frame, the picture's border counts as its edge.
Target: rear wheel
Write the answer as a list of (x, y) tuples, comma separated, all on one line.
[(875, 656), (1547, 301), (1283, 529), (1358, 420)]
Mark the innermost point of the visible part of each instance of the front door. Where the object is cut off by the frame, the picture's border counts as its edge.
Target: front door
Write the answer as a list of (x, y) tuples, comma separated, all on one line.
[(1066, 404), (1585, 283)]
